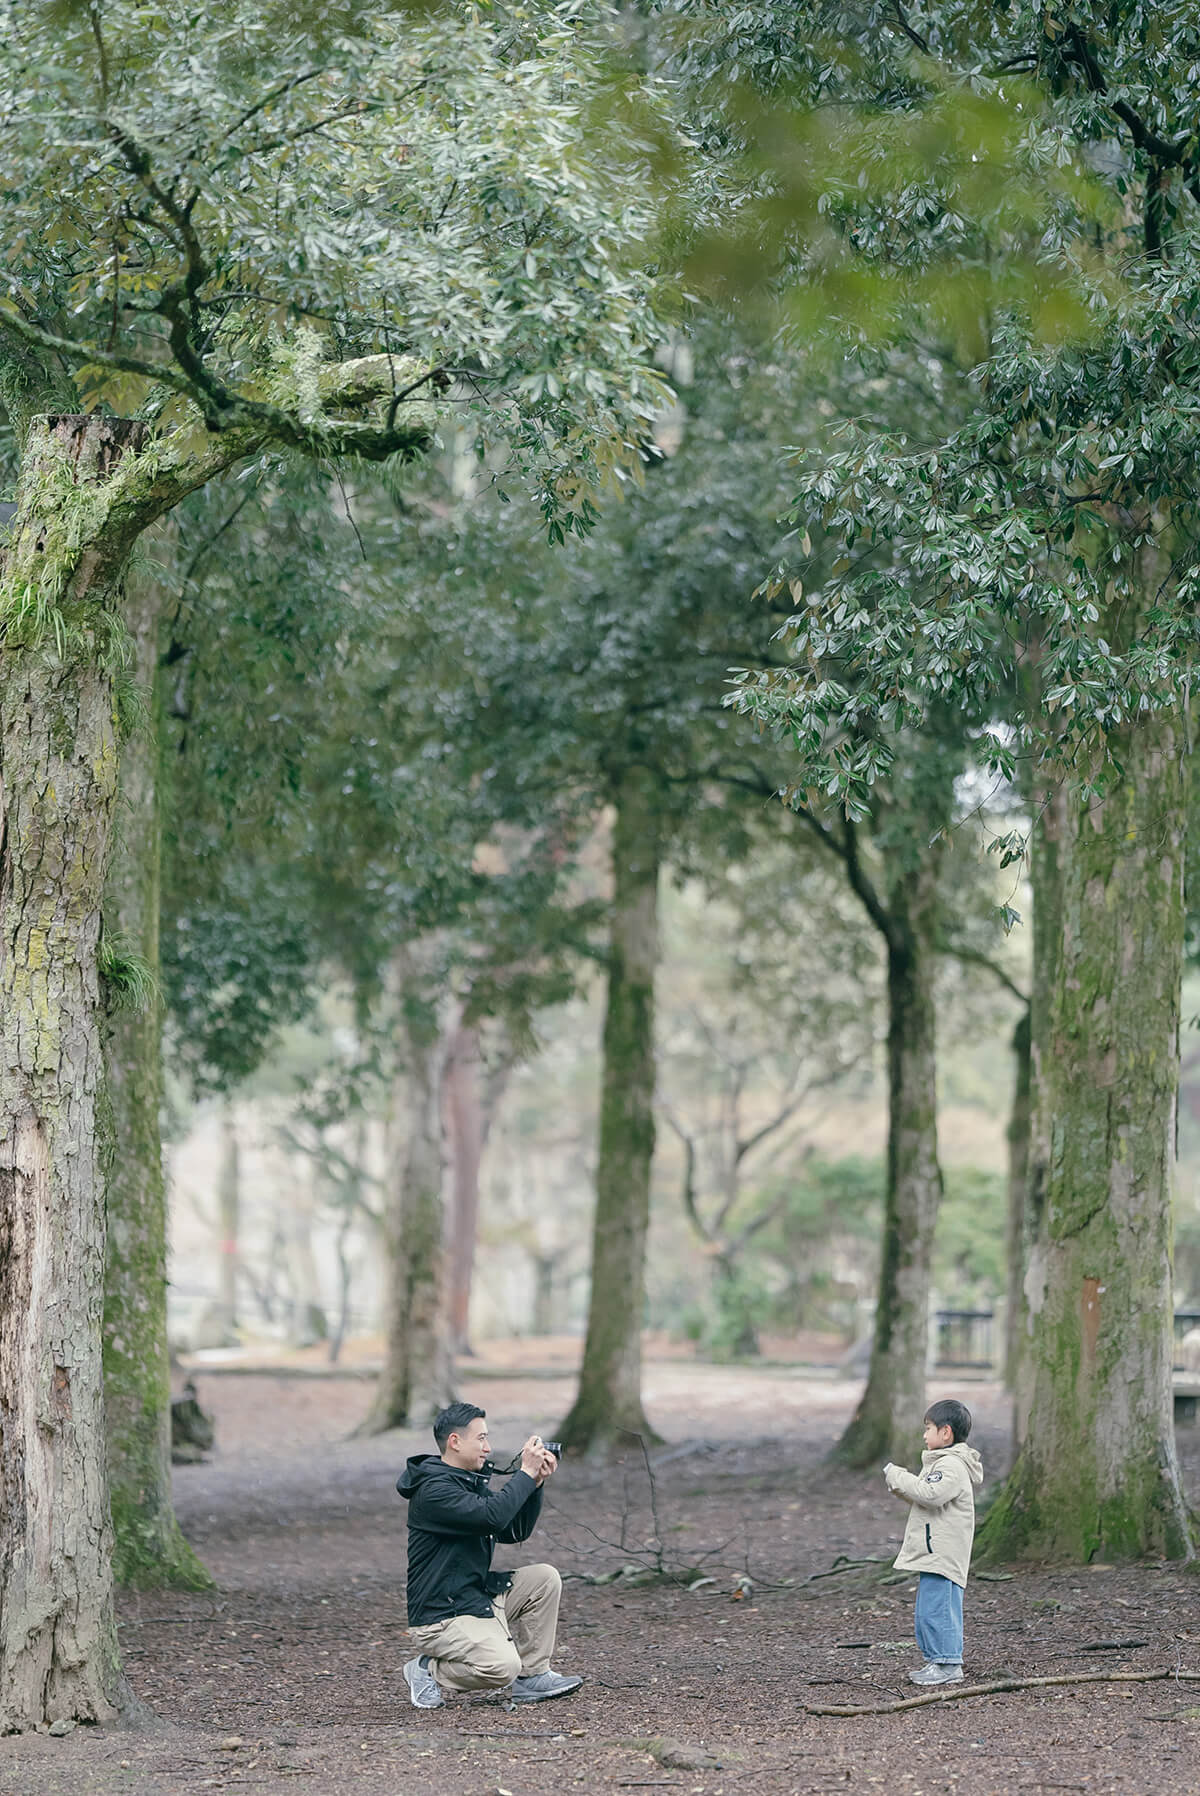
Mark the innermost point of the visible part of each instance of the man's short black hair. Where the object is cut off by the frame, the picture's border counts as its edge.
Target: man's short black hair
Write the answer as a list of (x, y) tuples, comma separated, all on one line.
[(458, 1416), (950, 1413)]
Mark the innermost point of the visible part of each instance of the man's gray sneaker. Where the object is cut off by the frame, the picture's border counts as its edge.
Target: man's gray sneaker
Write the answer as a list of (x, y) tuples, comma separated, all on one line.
[(542, 1686), (423, 1687), (935, 1671)]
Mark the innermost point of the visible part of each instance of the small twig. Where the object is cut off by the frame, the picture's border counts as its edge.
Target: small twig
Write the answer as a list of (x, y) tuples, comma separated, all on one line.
[(650, 1478), (1001, 1684), (842, 1564), (475, 1733)]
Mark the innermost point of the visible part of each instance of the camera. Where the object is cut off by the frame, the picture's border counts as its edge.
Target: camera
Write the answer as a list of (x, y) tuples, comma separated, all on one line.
[(492, 1468)]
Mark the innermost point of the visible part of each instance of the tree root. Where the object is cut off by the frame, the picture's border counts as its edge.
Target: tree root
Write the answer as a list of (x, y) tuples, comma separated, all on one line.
[(955, 1693)]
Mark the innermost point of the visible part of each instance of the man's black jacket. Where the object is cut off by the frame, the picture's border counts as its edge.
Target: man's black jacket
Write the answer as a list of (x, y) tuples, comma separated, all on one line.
[(454, 1521)]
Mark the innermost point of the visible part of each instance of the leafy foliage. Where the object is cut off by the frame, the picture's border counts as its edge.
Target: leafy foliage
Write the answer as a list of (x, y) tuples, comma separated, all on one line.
[(203, 211), (1060, 514)]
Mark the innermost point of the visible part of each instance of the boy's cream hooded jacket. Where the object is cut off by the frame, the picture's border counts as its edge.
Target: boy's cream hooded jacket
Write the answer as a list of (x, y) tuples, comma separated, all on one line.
[(941, 1522)]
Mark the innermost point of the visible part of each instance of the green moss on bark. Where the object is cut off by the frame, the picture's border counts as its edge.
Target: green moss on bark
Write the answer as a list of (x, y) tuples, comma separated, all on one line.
[(1097, 1475), (608, 1412), (887, 1422), (149, 1548)]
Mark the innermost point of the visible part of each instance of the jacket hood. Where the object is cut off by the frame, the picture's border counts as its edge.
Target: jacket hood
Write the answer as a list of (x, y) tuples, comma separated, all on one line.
[(960, 1450), (419, 1466)]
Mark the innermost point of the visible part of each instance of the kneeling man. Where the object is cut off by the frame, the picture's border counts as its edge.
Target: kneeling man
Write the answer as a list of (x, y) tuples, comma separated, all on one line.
[(476, 1629)]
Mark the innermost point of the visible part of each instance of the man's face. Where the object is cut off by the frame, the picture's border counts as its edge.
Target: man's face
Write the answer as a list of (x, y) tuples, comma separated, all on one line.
[(470, 1445)]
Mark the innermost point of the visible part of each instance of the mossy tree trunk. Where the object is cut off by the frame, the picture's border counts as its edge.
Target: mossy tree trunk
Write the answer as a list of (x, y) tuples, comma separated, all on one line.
[(1047, 796), (58, 788), (86, 493), (608, 1407), (466, 1130), (417, 1375), (1019, 1132), (887, 1422), (148, 1546), (1097, 1476)]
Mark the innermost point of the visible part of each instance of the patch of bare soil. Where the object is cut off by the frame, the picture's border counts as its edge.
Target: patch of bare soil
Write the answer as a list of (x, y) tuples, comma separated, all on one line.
[(698, 1679)]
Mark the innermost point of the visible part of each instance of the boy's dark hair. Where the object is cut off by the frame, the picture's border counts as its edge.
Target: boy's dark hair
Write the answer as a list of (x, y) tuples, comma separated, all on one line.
[(950, 1413), (457, 1416)]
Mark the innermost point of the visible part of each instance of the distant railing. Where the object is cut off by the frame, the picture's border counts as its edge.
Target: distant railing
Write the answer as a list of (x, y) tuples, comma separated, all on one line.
[(1185, 1320), (964, 1339)]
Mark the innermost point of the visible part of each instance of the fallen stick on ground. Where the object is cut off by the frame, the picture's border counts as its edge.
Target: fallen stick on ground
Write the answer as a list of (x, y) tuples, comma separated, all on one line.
[(842, 1564), (956, 1693)]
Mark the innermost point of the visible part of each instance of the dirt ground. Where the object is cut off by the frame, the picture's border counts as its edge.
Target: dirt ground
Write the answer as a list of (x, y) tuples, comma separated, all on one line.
[(288, 1677)]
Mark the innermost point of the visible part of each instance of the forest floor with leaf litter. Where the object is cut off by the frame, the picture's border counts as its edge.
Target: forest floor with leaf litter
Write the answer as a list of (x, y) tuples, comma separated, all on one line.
[(288, 1677)]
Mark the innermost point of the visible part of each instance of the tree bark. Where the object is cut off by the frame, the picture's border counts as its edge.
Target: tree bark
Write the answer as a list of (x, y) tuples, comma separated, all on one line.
[(1019, 1134), (887, 1422), (417, 1376), (465, 1132), (58, 785), (309, 1322), (608, 1407), (148, 1546), (229, 1206), (1097, 1475)]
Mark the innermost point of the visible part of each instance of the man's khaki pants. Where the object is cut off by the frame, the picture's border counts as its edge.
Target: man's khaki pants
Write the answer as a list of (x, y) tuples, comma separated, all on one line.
[(474, 1652)]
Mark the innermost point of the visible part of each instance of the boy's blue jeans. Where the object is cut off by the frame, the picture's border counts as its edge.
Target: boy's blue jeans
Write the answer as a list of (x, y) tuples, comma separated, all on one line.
[(939, 1619)]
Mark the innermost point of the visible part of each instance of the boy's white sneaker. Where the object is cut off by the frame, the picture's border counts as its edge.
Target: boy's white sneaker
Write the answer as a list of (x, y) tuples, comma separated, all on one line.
[(936, 1671)]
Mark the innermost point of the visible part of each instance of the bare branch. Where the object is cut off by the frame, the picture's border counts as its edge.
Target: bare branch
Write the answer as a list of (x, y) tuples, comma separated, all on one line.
[(689, 1177), (959, 1692), (863, 888), (975, 957)]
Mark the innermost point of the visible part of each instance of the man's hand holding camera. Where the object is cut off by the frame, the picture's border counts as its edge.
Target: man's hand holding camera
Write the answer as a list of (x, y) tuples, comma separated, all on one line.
[(537, 1460), (474, 1628)]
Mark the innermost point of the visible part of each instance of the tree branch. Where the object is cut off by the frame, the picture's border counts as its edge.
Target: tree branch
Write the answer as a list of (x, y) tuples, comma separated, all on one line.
[(975, 957), (902, 24), (862, 886), (1173, 155), (958, 1693), (689, 1178), (742, 1148), (349, 384)]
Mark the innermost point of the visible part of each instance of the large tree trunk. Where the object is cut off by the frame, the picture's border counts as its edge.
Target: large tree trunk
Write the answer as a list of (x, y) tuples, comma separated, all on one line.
[(1019, 1133), (417, 1378), (608, 1408), (1097, 1475), (58, 784), (229, 1219), (465, 1131), (471, 1100), (148, 1546), (887, 1422), (309, 1322)]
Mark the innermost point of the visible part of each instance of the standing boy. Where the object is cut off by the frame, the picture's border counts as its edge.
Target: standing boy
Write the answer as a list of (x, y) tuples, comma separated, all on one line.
[(938, 1536)]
